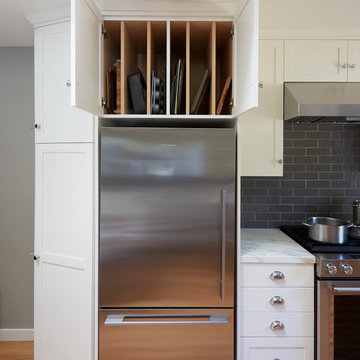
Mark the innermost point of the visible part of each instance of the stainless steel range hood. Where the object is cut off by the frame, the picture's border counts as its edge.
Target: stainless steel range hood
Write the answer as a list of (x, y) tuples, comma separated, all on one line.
[(325, 102)]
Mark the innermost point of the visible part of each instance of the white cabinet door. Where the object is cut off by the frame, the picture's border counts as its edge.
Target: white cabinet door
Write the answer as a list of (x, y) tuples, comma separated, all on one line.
[(284, 349), (354, 60), (245, 53), (86, 56), (262, 128), (315, 60), (58, 121), (64, 208)]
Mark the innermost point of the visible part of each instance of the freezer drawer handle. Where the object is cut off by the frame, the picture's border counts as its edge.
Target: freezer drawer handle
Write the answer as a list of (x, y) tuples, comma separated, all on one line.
[(223, 244), (120, 320)]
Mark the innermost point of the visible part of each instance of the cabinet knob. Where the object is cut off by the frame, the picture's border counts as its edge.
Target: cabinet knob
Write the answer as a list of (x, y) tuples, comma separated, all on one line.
[(277, 325), (280, 161), (35, 126), (261, 84), (34, 256), (277, 275), (344, 66), (352, 66), (277, 300), (68, 83)]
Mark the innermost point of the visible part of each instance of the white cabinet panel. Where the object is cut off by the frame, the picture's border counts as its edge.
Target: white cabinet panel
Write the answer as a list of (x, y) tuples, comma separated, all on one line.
[(262, 128), (294, 299), (58, 120), (246, 53), (64, 231), (315, 60), (295, 324), (283, 349), (258, 275), (86, 56), (354, 60)]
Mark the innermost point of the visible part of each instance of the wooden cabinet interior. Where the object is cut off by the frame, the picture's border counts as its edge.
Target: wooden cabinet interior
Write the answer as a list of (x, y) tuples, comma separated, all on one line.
[(224, 50), (205, 48)]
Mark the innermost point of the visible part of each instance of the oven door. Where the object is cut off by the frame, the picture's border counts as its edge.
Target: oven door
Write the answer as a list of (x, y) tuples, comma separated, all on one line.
[(338, 315)]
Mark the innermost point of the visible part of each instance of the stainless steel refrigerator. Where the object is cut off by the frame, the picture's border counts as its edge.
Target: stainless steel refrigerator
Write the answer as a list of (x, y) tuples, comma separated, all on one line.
[(167, 243)]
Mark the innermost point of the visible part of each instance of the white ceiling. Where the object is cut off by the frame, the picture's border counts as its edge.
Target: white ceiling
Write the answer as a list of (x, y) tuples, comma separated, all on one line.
[(15, 30)]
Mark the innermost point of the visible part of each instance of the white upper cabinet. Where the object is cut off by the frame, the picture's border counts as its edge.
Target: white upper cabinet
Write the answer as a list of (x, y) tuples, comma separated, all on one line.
[(315, 60), (354, 60), (86, 56), (246, 55), (262, 128), (56, 120), (154, 35)]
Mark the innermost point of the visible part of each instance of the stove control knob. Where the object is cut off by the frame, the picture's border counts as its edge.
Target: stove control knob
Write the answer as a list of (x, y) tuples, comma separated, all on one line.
[(347, 269), (331, 268)]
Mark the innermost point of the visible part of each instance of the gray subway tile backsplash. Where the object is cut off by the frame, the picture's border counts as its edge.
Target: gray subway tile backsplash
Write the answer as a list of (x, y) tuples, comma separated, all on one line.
[(321, 177)]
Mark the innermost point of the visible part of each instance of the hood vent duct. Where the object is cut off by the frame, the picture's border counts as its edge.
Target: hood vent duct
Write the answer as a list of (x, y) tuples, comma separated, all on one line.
[(322, 102)]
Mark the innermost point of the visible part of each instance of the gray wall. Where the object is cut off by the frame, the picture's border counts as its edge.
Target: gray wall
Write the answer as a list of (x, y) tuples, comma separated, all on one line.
[(16, 186), (321, 178)]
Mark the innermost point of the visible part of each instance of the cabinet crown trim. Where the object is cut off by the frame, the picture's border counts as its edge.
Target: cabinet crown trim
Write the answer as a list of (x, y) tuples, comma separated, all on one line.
[(50, 16)]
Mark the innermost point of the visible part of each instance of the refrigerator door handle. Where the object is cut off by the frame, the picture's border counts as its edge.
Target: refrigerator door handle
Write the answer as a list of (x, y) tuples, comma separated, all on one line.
[(122, 320), (223, 244)]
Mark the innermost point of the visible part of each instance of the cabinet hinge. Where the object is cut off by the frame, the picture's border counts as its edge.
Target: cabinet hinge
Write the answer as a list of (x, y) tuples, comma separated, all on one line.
[(232, 32), (103, 32), (232, 102), (103, 102)]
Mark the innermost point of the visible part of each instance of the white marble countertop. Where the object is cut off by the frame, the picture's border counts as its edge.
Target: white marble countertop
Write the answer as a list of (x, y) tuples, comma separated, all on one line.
[(271, 246)]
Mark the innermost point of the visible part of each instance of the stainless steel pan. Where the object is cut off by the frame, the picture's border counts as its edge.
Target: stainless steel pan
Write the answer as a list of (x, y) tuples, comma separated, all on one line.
[(329, 230)]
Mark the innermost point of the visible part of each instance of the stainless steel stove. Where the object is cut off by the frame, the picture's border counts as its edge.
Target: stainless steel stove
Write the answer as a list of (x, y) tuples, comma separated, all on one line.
[(337, 298), (332, 260)]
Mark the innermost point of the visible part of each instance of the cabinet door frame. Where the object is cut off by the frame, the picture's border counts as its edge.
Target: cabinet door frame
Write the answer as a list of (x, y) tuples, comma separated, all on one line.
[(52, 263), (56, 119), (246, 58), (256, 165), (295, 49), (86, 56)]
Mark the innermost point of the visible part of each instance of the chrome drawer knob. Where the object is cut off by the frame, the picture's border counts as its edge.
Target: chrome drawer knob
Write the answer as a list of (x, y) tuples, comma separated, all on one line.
[(277, 325), (261, 84), (352, 66), (344, 66), (277, 300), (277, 275)]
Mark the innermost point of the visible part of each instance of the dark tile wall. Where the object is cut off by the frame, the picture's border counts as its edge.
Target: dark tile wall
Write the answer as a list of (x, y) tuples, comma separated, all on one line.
[(321, 178)]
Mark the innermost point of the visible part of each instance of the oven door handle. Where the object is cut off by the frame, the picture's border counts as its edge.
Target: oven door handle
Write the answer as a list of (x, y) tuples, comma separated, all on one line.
[(343, 289)]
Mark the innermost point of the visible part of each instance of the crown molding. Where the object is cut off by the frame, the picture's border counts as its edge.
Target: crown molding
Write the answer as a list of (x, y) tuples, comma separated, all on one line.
[(50, 16)]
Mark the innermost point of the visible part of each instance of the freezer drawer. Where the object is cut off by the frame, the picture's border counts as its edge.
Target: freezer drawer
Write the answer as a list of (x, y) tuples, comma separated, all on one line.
[(199, 334)]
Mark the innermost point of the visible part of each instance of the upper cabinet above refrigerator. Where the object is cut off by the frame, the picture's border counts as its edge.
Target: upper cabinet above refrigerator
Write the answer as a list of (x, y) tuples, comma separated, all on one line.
[(192, 62)]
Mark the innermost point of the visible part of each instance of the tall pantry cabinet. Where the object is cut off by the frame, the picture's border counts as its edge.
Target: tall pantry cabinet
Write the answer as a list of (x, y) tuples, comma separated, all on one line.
[(221, 35), (64, 206)]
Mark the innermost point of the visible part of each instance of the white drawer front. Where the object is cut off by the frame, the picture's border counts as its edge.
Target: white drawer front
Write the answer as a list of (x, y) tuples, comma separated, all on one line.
[(258, 324), (259, 275), (277, 300), (283, 349)]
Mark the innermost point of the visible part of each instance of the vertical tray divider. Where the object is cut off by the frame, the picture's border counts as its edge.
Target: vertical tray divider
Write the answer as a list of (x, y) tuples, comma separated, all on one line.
[(168, 70), (149, 64)]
